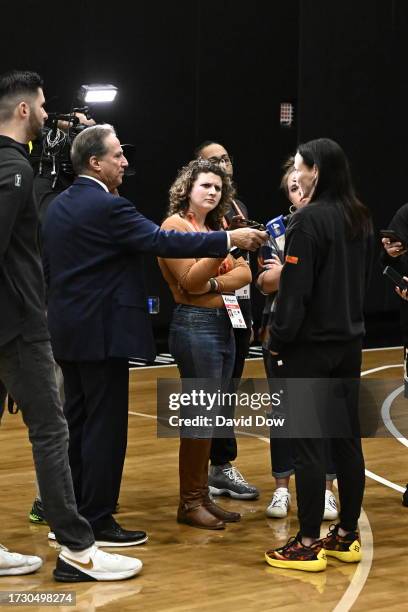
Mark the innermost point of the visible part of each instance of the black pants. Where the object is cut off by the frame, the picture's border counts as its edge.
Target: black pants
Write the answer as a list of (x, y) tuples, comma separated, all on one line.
[(326, 360), (224, 450), (281, 448), (96, 409)]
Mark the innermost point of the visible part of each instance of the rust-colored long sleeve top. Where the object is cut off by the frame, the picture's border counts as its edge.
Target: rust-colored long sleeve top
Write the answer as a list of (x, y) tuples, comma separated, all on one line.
[(188, 278)]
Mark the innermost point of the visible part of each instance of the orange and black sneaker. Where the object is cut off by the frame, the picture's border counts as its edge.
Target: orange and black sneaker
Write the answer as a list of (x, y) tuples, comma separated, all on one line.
[(345, 548), (295, 555)]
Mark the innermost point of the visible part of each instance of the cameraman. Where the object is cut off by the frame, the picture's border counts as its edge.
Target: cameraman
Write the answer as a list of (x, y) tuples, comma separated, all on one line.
[(50, 158)]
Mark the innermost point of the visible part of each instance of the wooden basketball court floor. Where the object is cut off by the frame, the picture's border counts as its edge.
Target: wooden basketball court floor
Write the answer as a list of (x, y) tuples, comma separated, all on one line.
[(187, 569)]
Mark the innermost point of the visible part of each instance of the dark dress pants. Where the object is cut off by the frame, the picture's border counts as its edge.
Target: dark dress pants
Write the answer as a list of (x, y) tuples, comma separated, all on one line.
[(96, 409)]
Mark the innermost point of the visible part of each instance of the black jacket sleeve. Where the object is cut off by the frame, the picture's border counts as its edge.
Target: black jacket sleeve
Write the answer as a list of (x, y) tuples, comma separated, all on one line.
[(295, 288), (15, 189)]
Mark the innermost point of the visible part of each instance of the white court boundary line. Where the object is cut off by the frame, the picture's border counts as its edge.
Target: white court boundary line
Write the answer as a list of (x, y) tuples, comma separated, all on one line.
[(386, 416), (362, 571), (363, 568), (385, 367), (172, 365)]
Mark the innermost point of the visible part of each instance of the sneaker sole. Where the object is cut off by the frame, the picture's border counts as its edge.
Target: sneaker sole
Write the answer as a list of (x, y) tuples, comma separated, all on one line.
[(233, 494), (353, 555), (36, 520), (121, 544), (24, 569), (270, 514), (305, 566), (64, 572), (330, 517), (108, 544)]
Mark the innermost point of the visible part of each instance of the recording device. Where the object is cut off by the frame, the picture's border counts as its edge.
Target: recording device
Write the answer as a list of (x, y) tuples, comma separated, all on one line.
[(50, 156), (392, 236), (267, 251), (276, 227), (236, 252), (395, 277), (55, 146), (252, 224)]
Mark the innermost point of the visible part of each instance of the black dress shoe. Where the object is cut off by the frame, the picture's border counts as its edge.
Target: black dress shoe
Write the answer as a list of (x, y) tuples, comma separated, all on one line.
[(112, 534), (405, 497)]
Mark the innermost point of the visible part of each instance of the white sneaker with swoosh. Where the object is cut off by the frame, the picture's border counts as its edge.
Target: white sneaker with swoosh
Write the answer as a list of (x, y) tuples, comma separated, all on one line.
[(100, 566)]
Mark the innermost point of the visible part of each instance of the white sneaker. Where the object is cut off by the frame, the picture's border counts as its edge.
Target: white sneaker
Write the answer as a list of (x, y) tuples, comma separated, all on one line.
[(330, 507), (278, 508), (101, 566), (51, 536), (12, 564)]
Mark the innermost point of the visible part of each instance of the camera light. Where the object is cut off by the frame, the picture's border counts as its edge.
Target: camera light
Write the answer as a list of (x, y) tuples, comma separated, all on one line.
[(97, 93)]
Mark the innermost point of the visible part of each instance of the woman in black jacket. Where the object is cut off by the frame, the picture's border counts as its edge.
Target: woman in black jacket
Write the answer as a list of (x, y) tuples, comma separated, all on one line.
[(317, 335)]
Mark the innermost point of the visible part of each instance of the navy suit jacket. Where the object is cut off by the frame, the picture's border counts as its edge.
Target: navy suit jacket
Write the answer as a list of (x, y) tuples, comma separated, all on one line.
[(93, 245)]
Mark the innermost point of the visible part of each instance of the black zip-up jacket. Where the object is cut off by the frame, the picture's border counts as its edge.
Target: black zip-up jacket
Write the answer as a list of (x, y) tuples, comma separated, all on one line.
[(323, 281), (22, 291)]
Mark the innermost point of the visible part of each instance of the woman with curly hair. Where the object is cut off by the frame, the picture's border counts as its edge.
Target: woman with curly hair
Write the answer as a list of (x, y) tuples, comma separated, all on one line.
[(201, 338)]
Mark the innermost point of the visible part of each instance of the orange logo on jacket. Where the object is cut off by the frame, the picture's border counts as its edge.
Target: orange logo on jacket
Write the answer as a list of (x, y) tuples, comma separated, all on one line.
[(291, 259)]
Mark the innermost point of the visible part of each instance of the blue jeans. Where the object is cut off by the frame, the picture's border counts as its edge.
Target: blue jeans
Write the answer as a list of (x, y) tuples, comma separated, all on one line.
[(201, 341)]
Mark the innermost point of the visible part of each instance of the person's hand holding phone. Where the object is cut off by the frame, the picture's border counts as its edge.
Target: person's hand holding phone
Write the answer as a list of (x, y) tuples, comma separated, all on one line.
[(403, 293), (273, 262), (392, 243), (394, 249)]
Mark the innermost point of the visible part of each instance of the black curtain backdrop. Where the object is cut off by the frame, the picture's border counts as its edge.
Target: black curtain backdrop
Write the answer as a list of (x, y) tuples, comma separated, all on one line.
[(191, 70), (352, 87)]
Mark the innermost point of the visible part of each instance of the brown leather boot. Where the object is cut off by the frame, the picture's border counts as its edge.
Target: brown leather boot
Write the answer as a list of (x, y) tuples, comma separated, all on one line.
[(193, 464), (220, 513)]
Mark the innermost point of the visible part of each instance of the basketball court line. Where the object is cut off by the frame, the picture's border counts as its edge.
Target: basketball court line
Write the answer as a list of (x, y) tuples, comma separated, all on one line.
[(362, 571), (150, 367), (386, 416)]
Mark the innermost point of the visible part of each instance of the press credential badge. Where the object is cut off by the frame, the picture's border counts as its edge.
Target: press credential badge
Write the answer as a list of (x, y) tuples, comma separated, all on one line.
[(234, 311)]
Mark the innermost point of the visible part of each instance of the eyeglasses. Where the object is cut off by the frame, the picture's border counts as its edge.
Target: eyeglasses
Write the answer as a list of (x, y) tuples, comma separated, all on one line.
[(224, 159)]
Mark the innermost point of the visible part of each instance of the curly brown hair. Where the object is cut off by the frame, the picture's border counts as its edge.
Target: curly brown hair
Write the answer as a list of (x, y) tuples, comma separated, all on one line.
[(181, 188)]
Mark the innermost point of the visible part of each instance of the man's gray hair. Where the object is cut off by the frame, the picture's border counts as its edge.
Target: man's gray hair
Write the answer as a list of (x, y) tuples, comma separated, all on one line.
[(90, 142)]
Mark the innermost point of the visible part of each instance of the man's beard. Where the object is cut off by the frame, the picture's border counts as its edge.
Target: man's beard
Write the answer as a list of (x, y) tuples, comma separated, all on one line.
[(34, 127)]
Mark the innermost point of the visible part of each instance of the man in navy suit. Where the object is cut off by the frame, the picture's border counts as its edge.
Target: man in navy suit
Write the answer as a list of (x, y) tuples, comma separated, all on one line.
[(93, 242)]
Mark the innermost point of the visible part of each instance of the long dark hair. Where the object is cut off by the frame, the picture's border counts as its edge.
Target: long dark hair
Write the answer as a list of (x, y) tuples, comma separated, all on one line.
[(335, 183)]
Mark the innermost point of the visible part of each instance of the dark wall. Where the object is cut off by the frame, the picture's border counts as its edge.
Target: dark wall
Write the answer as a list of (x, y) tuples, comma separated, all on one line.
[(187, 71), (351, 84), (192, 70)]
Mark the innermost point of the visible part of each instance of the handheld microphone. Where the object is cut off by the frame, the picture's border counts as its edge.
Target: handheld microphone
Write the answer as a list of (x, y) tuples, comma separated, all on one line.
[(276, 228)]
